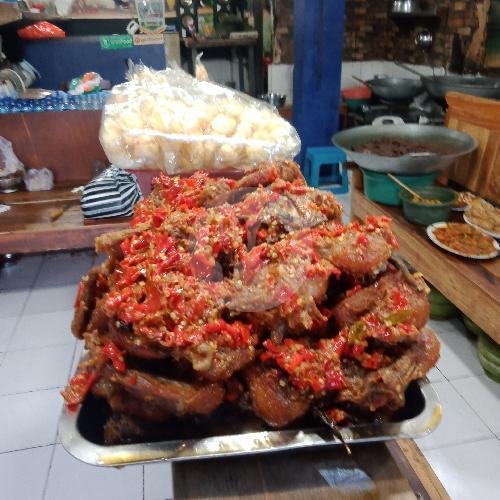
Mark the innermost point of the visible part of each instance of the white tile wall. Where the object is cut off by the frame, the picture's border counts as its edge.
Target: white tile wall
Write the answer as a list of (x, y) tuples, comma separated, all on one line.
[(280, 80)]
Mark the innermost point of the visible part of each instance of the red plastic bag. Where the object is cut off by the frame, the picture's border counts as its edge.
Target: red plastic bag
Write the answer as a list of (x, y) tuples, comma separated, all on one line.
[(40, 31)]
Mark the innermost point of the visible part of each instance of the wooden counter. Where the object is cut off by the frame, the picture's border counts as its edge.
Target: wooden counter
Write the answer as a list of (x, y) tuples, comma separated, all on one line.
[(393, 470), (472, 285), (29, 226)]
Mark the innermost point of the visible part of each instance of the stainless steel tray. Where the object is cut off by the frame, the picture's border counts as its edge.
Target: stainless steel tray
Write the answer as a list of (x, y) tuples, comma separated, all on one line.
[(80, 433)]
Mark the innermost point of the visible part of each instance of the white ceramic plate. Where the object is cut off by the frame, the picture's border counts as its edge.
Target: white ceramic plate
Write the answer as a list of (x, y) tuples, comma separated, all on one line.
[(437, 225), (490, 233)]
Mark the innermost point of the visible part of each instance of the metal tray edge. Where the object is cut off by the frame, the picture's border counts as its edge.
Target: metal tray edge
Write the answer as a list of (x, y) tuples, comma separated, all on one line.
[(245, 444)]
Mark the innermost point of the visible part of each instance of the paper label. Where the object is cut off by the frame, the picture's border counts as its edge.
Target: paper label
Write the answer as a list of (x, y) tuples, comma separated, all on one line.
[(148, 39), (116, 42)]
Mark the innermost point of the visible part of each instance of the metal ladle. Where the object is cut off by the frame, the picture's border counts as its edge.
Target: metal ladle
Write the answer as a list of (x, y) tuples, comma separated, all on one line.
[(424, 40)]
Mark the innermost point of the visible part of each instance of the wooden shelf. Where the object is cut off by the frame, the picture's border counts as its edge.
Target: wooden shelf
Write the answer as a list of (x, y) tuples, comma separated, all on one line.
[(28, 227), (203, 43)]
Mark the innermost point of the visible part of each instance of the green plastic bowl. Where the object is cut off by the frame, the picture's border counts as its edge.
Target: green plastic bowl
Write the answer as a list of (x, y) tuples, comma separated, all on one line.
[(378, 187), (472, 327), (419, 213), (440, 306)]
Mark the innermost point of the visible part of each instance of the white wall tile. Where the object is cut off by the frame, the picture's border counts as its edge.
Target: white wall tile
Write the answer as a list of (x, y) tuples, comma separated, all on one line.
[(29, 419), (158, 481), (468, 471), (71, 479), (483, 395), (24, 473), (50, 299), (35, 369), (41, 330), (20, 273), (280, 80), (460, 424), (64, 268), (12, 302), (458, 350), (6, 330)]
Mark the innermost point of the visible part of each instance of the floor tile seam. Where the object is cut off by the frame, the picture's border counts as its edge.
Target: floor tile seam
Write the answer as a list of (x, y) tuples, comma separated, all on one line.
[(472, 408), (46, 483), (481, 418), (34, 348), (25, 302), (73, 357), (31, 391), (12, 334), (451, 445), (26, 448)]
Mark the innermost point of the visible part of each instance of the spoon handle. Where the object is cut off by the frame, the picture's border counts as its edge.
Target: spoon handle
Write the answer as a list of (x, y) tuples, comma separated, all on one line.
[(404, 186)]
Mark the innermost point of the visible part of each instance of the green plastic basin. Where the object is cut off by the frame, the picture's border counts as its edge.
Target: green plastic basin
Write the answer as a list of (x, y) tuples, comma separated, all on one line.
[(378, 187), (421, 213)]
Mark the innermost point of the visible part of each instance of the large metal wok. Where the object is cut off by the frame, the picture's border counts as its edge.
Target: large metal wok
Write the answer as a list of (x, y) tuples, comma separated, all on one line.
[(410, 164), (394, 89), (481, 86), (438, 86)]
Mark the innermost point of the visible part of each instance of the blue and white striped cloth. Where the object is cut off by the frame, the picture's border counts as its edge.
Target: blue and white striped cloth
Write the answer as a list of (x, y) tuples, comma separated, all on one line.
[(113, 193)]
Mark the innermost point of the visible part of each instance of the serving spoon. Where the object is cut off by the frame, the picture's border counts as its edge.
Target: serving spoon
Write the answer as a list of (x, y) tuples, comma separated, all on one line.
[(404, 186)]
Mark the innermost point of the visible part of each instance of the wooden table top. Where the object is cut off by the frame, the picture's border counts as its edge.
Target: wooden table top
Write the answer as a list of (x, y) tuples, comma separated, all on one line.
[(472, 285), (29, 226), (396, 470)]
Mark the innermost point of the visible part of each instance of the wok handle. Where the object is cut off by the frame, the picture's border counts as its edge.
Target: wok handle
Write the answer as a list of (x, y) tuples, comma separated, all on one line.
[(359, 80)]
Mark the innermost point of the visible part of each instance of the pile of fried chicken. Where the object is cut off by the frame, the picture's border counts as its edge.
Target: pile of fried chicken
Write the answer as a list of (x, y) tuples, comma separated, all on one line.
[(249, 295)]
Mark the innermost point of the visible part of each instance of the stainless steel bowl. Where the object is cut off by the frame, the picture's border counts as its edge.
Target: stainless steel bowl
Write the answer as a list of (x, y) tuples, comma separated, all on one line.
[(10, 183), (276, 100)]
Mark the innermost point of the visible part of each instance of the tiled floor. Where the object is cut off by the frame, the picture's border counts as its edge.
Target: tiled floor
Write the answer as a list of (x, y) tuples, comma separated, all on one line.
[(37, 355)]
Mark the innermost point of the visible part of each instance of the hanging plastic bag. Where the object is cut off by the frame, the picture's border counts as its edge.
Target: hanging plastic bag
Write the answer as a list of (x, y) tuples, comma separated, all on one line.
[(40, 31), (200, 71), (171, 121), (9, 162)]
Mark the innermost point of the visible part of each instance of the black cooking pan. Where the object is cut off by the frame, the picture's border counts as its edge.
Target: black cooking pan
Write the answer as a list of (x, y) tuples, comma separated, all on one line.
[(394, 89)]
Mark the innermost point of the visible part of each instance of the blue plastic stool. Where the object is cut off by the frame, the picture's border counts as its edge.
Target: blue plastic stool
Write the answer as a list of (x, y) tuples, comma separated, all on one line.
[(336, 180)]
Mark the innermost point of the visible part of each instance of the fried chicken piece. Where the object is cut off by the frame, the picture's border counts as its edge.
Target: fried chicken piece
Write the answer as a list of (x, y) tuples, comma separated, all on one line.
[(280, 286), (390, 296), (266, 173), (156, 398), (92, 287), (273, 398), (385, 388), (216, 363)]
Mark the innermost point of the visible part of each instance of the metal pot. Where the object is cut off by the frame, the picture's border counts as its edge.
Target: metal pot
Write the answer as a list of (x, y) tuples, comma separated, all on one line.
[(394, 89), (410, 164)]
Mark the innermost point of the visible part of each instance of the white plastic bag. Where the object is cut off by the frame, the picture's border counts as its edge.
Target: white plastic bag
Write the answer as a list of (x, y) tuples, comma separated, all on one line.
[(39, 179), (171, 121), (9, 162)]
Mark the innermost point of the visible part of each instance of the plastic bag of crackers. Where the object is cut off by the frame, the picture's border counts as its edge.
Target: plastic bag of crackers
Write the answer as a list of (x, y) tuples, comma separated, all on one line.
[(170, 121)]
